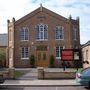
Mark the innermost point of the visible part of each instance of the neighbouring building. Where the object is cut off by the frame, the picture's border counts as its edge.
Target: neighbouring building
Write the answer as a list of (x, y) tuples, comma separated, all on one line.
[(41, 33), (3, 49), (86, 54)]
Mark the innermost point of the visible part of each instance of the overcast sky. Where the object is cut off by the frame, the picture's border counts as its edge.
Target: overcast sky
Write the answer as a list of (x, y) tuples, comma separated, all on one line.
[(19, 8)]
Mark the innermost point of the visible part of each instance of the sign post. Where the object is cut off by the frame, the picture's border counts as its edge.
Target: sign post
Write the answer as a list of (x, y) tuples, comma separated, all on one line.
[(70, 55), (66, 55)]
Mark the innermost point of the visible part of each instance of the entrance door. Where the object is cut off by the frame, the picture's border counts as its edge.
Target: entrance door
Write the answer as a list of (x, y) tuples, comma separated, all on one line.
[(41, 57)]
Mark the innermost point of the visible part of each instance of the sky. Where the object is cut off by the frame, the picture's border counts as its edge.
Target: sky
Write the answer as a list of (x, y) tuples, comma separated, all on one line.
[(20, 8)]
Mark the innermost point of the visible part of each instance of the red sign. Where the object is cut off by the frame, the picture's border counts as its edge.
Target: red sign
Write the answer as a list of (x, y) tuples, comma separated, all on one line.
[(67, 54)]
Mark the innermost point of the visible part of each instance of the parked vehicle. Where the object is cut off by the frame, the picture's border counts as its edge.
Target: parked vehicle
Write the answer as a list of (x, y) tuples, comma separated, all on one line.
[(83, 77)]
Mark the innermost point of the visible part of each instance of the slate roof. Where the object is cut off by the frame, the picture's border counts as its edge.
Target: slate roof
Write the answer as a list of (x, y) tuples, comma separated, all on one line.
[(3, 40), (86, 44)]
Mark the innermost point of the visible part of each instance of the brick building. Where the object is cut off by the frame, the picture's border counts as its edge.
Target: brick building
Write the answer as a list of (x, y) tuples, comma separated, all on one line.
[(86, 54), (42, 33)]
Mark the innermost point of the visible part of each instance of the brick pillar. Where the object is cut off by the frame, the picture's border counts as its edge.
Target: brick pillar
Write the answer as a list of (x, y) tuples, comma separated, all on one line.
[(40, 73), (11, 48), (11, 73)]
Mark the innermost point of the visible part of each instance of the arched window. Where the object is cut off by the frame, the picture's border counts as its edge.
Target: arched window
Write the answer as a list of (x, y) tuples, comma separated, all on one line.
[(41, 32), (59, 32), (24, 34)]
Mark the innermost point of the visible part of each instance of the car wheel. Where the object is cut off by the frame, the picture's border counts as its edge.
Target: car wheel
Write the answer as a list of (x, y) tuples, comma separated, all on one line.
[(89, 84)]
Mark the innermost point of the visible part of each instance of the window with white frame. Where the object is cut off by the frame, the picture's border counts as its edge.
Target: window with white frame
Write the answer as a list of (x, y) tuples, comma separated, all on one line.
[(58, 51), (41, 32), (59, 32), (24, 53), (75, 33), (24, 34)]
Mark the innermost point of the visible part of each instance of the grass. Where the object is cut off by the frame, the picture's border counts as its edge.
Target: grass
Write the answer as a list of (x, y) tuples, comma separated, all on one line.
[(79, 70), (18, 74)]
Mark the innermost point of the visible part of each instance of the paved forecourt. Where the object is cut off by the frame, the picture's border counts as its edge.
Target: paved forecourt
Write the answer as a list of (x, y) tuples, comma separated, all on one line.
[(41, 82)]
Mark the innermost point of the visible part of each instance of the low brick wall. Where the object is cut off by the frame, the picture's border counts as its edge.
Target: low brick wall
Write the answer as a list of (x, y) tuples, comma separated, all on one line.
[(4, 74), (59, 75), (45, 74), (7, 73)]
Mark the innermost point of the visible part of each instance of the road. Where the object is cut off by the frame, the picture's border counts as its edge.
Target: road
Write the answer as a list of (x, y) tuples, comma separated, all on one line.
[(47, 88)]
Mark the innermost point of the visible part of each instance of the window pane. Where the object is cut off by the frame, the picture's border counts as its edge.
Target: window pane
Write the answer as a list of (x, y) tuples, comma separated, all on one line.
[(58, 51), (45, 32), (59, 32), (41, 35), (37, 32), (41, 32), (24, 52), (24, 33)]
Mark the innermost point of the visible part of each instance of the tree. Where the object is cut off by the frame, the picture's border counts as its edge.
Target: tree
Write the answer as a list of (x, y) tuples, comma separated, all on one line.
[(2, 57), (32, 61)]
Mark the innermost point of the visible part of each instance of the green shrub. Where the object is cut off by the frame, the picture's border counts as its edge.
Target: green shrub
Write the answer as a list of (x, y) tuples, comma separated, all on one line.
[(52, 61), (32, 61), (79, 70), (2, 57)]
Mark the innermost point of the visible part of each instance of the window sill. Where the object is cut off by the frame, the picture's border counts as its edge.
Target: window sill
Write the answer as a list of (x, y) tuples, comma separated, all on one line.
[(24, 40), (58, 57), (24, 58), (75, 39), (42, 40), (59, 39)]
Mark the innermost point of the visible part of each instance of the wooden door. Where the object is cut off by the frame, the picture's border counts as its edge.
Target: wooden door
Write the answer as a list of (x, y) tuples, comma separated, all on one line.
[(41, 58)]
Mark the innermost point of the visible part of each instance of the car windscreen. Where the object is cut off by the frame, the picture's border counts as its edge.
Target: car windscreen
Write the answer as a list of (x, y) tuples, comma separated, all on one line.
[(86, 72)]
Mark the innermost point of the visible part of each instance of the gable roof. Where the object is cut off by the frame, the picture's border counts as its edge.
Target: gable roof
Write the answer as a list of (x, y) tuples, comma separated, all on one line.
[(33, 13), (3, 39)]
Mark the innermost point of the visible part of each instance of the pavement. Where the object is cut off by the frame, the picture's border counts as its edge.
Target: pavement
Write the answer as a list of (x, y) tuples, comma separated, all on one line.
[(48, 69), (40, 83), (30, 74), (30, 79)]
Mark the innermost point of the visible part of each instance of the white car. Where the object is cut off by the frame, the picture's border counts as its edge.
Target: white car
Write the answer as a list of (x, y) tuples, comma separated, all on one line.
[(83, 77)]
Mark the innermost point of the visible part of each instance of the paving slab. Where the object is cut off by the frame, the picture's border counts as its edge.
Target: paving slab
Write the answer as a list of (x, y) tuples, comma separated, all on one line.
[(41, 82)]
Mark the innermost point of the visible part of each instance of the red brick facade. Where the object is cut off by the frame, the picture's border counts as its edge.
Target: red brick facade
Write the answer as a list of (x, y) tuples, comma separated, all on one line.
[(51, 19)]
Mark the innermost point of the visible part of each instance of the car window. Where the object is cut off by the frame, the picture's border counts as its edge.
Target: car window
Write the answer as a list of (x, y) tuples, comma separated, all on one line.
[(86, 71)]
